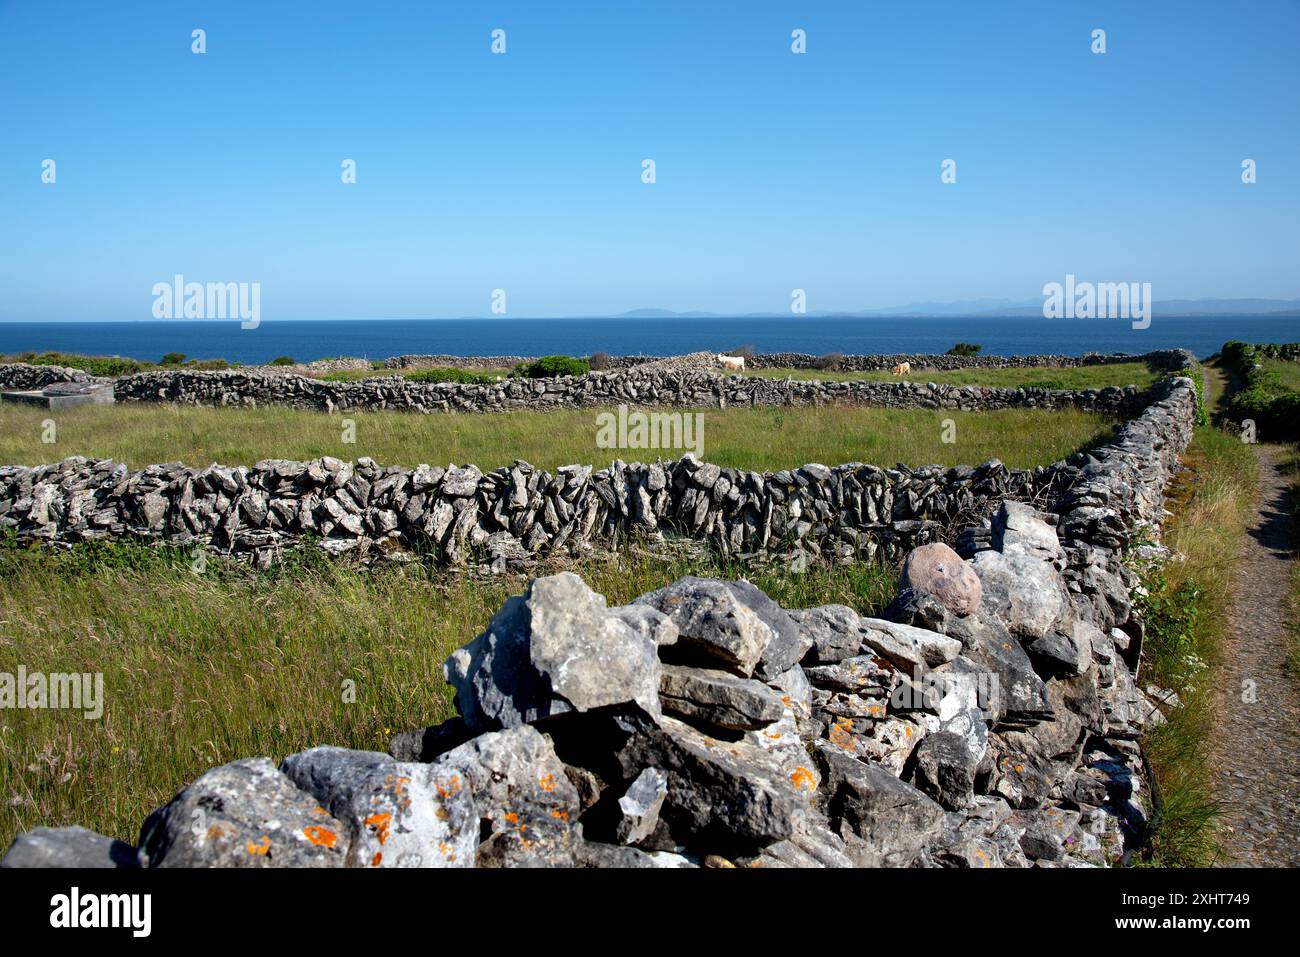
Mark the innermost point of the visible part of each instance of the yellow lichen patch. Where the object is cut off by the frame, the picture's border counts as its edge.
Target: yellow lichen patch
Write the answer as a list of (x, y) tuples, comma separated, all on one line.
[(320, 836), (803, 779), (446, 851), (380, 823), (319, 812), (547, 783), (261, 848)]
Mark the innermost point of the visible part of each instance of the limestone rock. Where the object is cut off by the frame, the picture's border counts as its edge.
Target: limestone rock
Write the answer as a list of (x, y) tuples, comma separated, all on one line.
[(397, 814), (67, 847), (243, 814), (718, 698), (552, 650)]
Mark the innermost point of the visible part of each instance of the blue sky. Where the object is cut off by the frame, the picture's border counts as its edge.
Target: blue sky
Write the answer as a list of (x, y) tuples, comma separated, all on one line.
[(523, 171)]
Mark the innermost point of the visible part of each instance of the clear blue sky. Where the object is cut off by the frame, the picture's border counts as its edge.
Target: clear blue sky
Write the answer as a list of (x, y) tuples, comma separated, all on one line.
[(522, 171)]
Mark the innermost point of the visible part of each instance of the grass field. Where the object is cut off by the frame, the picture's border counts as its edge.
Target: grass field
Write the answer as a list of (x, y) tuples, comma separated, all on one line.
[(1288, 372), (202, 670), (1084, 377), (754, 438)]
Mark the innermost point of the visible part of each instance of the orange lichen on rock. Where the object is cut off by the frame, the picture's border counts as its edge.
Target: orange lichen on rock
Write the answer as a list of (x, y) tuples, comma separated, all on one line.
[(803, 779), (380, 822), (453, 787), (261, 848), (547, 783), (841, 734), (320, 836)]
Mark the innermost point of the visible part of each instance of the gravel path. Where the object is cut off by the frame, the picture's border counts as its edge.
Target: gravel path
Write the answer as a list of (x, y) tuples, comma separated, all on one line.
[(1257, 746)]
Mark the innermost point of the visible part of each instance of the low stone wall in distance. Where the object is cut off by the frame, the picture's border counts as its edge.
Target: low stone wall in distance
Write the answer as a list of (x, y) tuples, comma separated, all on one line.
[(514, 514)]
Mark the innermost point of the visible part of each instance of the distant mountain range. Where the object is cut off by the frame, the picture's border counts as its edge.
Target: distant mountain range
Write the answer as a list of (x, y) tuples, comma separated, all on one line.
[(1001, 309)]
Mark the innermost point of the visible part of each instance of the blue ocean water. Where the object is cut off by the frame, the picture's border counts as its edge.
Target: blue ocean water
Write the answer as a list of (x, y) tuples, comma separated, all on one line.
[(380, 338)]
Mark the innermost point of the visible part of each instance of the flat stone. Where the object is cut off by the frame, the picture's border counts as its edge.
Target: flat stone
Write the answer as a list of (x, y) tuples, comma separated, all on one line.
[(906, 647), (718, 698)]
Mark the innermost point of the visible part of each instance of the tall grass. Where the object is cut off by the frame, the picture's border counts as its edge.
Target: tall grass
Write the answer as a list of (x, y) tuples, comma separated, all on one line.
[(202, 669), (1187, 615)]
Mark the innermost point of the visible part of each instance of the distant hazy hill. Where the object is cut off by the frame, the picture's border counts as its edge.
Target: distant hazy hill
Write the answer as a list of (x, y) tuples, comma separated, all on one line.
[(1001, 308)]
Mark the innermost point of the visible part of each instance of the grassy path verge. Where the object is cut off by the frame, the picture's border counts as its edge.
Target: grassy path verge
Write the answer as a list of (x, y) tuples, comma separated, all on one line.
[(1188, 613)]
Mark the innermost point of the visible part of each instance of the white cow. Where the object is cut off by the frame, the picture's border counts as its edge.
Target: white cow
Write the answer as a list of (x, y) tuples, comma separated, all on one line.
[(903, 368), (732, 363)]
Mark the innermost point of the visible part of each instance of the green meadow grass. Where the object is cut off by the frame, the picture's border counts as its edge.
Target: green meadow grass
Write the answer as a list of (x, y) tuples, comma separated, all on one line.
[(751, 438), (1083, 377), (203, 669)]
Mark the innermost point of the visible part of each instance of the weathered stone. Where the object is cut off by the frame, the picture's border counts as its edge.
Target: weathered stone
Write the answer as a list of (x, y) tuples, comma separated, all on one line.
[(939, 571), (908, 648), (723, 793), (1022, 590), (835, 631), (554, 649), (945, 769), (67, 847), (890, 819), (243, 814), (718, 698), (525, 801), (713, 620), (639, 806), (1023, 526), (398, 814)]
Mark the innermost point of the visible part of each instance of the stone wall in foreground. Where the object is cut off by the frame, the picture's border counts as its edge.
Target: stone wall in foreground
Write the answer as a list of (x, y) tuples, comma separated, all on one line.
[(990, 719)]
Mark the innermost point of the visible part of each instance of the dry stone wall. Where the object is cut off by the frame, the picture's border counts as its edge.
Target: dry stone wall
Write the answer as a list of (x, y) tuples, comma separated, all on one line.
[(991, 717), (657, 388), (511, 515), (705, 725)]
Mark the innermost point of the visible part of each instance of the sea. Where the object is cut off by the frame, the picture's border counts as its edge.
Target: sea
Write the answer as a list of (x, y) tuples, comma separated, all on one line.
[(306, 340)]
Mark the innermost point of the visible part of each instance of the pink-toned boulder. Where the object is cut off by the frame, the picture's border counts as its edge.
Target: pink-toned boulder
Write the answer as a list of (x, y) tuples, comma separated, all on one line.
[(939, 570)]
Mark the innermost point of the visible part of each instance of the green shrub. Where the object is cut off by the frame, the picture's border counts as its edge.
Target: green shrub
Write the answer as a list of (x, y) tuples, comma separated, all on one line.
[(172, 359), (1263, 398), (465, 376), (108, 366), (965, 349), (548, 367), (282, 361)]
